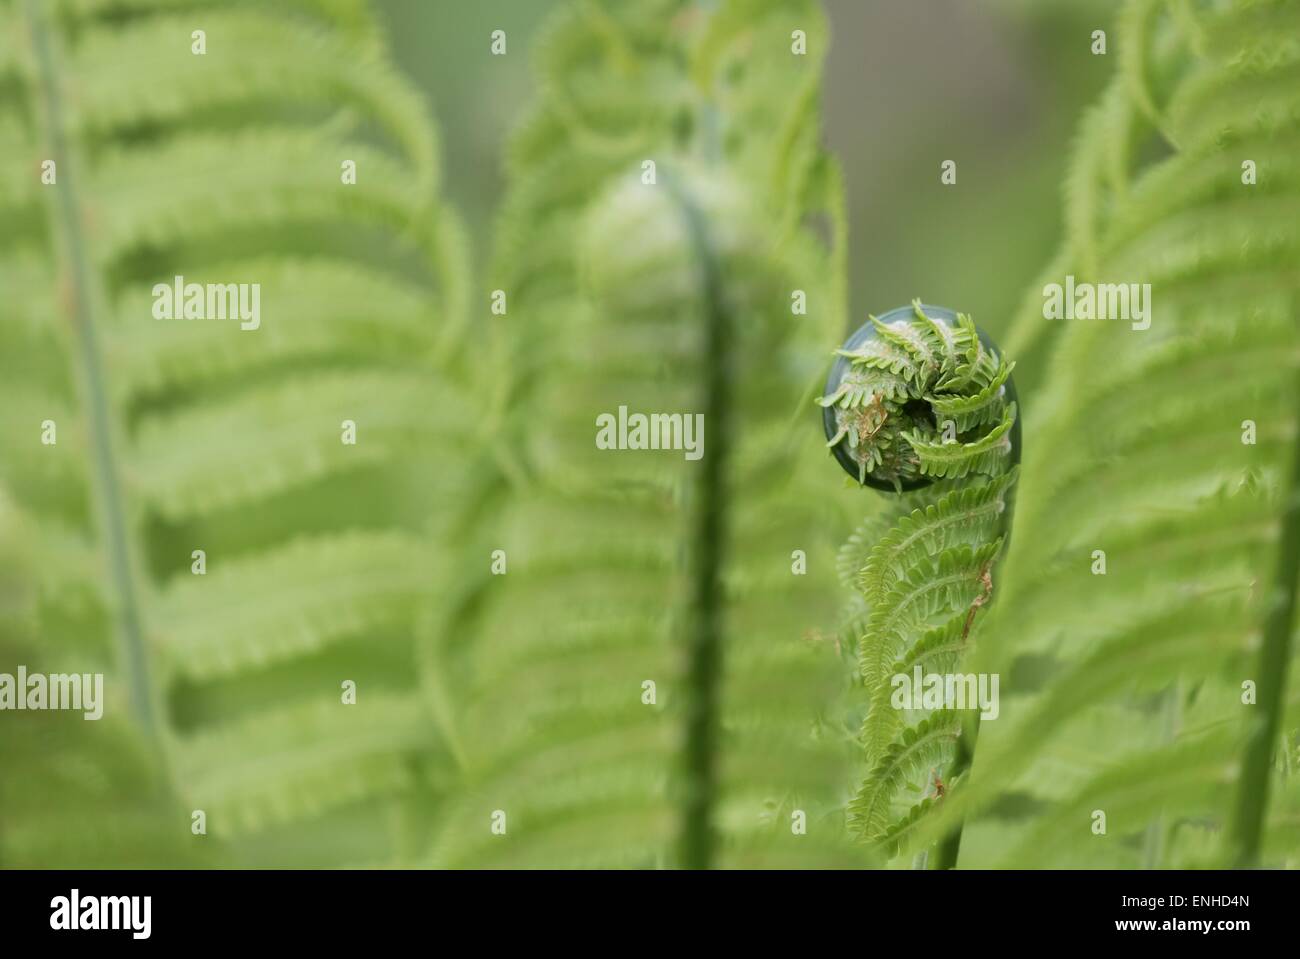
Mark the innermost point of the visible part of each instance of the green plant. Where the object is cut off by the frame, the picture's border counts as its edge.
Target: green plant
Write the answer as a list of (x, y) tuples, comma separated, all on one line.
[(569, 654), (1159, 729), (921, 397), (663, 289), (209, 155)]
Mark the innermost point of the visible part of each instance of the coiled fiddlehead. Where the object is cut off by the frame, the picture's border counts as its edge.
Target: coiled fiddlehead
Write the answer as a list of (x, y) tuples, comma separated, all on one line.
[(920, 403)]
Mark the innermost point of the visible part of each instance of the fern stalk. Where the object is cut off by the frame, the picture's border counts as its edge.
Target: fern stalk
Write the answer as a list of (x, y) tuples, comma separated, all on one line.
[(964, 754), (964, 750), (623, 554), (704, 668), (1251, 805), (709, 530), (83, 296), (1191, 515)]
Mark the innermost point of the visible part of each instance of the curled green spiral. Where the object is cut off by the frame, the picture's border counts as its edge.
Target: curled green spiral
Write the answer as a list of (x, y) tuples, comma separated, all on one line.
[(917, 395)]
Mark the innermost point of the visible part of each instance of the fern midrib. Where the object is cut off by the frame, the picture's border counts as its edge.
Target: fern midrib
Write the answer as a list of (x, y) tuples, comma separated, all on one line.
[(891, 627), (708, 535), (1251, 804), (106, 484), (705, 629)]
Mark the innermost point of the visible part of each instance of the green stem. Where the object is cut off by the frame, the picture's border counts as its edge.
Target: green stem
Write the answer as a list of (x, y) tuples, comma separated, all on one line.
[(83, 297), (945, 856), (704, 637), (950, 845), (1247, 828)]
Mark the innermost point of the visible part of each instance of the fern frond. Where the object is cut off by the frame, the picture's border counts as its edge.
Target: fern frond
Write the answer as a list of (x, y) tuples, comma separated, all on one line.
[(273, 178), (277, 605), (947, 580), (912, 402), (272, 439), (984, 455), (600, 543), (929, 570), (324, 310), (1167, 523), (962, 516), (1172, 786), (258, 60), (918, 747), (301, 761), (175, 435)]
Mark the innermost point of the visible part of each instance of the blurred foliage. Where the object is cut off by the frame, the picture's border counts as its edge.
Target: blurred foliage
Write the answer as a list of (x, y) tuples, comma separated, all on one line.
[(995, 85), (608, 276), (224, 690), (1129, 691), (372, 563)]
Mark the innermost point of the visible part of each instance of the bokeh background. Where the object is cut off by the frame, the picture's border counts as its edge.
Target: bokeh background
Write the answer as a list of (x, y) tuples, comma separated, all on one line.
[(996, 85)]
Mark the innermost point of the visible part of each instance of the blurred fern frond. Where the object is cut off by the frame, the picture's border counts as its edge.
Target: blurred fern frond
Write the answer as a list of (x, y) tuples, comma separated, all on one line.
[(1146, 603), (670, 171), (137, 157)]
